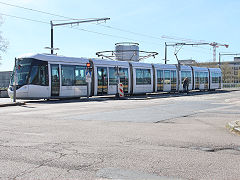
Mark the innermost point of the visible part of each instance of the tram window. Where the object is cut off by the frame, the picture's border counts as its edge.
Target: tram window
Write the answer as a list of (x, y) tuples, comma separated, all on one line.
[(187, 74), (173, 77), (39, 75), (143, 76), (183, 75), (146, 76), (139, 76), (213, 74), (67, 75), (202, 77), (124, 77), (197, 75), (80, 75), (160, 76), (216, 77), (44, 75), (112, 76), (206, 77), (166, 77), (34, 77)]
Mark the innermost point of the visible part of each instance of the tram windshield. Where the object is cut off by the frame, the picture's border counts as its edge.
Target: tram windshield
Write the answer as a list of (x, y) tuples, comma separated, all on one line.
[(30, 71)]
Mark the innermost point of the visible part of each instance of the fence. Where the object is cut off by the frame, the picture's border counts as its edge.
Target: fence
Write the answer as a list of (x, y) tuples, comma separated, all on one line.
[(5, 79), (231, 85)]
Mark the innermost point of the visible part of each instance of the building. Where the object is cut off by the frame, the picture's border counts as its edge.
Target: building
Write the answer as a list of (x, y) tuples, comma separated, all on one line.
[(5, 77), (187, 62)]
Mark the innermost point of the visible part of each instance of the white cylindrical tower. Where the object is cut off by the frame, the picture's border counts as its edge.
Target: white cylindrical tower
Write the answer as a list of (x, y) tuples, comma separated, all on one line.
[(127, 51)]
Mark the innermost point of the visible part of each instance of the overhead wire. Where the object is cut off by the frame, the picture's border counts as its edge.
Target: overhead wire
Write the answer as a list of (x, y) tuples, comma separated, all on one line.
[(35, 10), (106, 26), (81, 29), (99, 33), (23, 18)]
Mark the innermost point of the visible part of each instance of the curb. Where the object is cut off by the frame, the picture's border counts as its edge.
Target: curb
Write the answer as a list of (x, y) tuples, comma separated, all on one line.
[(234, 126), (12, 104)]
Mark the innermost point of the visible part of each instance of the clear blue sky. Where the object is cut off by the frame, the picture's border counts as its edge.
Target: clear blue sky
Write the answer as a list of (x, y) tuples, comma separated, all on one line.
[(208, 20)]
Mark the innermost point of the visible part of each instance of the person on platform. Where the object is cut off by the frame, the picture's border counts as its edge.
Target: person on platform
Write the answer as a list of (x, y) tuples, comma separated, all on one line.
[(185, 85)]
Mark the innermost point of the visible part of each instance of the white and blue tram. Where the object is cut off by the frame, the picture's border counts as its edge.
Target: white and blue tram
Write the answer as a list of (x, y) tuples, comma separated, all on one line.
[(46, 76)]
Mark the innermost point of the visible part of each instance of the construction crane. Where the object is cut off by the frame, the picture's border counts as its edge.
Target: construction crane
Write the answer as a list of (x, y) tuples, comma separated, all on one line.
[(215, 46)]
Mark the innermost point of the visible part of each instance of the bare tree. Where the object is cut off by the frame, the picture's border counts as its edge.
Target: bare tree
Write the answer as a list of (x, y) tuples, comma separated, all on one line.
[(226, 72), (3, 42)]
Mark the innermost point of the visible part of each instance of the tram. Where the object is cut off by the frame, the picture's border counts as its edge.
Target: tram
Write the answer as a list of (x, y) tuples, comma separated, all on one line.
[(47, 76)]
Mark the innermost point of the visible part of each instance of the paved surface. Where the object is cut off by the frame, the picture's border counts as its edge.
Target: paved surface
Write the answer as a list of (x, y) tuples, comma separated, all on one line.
[(154, 137), (4, 102)]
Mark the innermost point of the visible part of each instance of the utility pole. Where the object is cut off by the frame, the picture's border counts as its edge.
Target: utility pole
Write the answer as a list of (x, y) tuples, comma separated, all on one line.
[(178, 66), (71, 23), (51, 37), (226, 54), (165, 53), (15, 81)]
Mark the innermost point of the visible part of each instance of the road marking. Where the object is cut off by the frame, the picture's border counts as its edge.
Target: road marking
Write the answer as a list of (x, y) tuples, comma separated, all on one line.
[(34, 134)]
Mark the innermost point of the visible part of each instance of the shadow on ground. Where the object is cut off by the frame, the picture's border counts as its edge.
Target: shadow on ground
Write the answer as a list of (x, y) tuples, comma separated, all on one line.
[(147, 96)]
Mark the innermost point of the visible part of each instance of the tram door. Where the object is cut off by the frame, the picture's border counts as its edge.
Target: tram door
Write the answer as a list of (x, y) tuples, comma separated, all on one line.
[(206, 80), (102, 81), (173, 80), (159, 80), (197, 80), (55, 80), (124, 79)]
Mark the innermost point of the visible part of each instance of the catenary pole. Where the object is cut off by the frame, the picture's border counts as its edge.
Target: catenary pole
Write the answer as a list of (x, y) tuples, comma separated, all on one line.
[(71, 23)]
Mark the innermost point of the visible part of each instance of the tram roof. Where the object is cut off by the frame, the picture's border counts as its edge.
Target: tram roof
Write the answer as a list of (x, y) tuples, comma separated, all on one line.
[(140, 64), (54, 58), (109, 62), (165, 66), (215, 70), (186, 68), (199, 68)]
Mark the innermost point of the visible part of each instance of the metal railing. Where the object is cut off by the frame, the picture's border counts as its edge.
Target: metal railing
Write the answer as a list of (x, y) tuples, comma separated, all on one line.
[(231, 85)]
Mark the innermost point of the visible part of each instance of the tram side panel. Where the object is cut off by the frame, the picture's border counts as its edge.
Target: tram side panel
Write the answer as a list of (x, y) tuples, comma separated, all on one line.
[(185, 71), (142, 75), (68, 80), (80, 85), (215, 75), (165, 78), (201, 78), (106, 78)]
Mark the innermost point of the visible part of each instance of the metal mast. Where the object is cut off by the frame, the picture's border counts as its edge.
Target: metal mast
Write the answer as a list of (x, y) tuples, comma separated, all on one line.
[(71, 23), (213, 44)]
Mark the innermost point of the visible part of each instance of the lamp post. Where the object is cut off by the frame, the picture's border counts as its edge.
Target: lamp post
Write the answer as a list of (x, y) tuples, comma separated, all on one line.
[(15, 81)]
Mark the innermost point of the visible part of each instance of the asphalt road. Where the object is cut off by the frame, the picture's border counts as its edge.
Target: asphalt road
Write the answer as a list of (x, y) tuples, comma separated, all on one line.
[(143, 137)]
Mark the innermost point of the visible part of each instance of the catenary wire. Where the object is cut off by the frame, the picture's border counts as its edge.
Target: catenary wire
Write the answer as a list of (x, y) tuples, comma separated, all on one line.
[(106, 26), (81, 29)]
